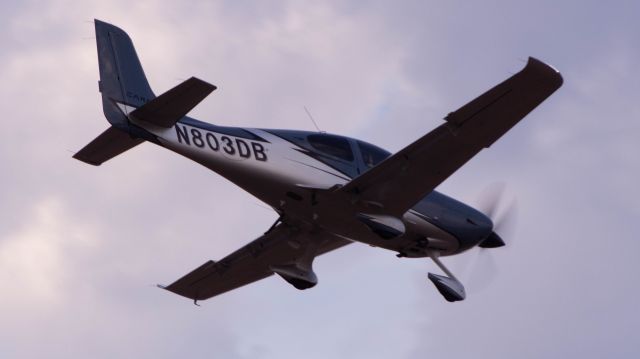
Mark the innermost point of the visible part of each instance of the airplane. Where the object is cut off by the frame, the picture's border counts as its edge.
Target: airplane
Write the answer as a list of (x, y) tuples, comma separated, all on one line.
[(328, 190)]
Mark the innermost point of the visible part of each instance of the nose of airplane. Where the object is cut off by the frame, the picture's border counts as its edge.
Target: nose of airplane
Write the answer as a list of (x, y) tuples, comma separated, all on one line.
[(470, 226), (484, 224), (477, 229)]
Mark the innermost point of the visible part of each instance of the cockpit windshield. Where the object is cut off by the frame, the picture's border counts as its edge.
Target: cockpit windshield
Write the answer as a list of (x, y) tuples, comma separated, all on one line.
[(372, 155), (332, 145)]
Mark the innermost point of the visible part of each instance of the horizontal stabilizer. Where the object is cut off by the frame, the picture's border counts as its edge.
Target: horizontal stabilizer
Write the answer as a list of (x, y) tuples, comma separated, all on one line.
[(109, 144), (168, 108)]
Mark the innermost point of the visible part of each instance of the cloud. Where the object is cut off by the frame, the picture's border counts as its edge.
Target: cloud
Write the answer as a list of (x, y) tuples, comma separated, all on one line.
[(33, 259)]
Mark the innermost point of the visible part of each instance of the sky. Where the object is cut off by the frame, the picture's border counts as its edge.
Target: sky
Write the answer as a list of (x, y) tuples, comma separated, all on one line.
[(82, 247)]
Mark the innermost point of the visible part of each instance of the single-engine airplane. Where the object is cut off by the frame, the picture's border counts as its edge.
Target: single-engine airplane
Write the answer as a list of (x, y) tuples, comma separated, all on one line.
[(328, 190)]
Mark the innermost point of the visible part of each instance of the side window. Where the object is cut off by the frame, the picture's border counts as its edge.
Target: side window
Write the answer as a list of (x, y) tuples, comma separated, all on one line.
[(372, 155), (332, 145)]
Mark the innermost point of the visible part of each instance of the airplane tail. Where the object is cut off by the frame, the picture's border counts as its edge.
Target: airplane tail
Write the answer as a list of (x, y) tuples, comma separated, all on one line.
[(122, 83), (126, 95)]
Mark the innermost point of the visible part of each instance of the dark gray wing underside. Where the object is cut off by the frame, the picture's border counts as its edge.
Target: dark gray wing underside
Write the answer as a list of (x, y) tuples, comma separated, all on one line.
[(403, 179), (248, 264)]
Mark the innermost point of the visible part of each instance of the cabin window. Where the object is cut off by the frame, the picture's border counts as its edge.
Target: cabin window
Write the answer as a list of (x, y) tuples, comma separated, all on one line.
[(371, 155), (332, 145)]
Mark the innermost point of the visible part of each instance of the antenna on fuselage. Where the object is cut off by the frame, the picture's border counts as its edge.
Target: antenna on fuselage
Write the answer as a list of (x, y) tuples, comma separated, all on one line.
[(312, 120)]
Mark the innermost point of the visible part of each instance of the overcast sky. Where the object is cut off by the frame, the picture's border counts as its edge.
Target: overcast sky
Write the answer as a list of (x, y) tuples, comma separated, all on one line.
[(82, 247)]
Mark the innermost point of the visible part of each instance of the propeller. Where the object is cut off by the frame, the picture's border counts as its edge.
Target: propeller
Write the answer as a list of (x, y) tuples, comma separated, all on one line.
[(483, 268), (503, 220)]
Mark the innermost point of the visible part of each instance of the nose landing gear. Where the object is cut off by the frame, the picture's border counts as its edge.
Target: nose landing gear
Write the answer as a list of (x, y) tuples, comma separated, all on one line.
[(449, 286)]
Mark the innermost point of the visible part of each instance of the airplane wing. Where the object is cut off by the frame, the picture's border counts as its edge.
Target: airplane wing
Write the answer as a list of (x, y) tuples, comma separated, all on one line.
[(279, 246), (401, 180)]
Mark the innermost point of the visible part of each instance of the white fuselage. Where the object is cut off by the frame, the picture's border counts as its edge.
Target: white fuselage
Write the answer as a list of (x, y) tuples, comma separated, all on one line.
[(285, 178)]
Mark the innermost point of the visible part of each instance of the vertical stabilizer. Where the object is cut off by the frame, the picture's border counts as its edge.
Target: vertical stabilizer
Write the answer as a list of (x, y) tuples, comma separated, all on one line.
[(122, 78)]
